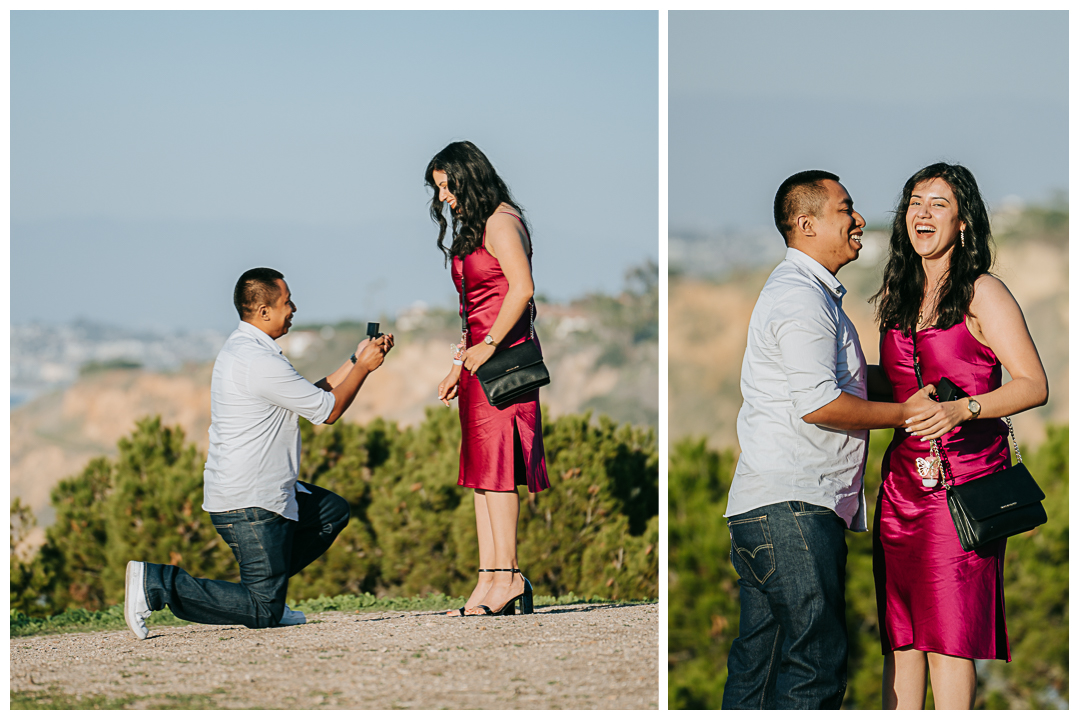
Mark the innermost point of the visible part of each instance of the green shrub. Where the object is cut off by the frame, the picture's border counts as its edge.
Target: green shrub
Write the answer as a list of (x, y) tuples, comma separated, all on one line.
[(595, 533), (703, 607)]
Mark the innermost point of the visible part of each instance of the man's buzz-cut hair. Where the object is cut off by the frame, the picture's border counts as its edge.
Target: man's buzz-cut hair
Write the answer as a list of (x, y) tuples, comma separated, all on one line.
[(800, 194), (256, 287)]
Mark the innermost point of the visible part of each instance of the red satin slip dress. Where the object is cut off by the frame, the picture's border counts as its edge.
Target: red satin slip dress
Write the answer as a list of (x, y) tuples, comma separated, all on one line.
[(932, 595), (501, 447)]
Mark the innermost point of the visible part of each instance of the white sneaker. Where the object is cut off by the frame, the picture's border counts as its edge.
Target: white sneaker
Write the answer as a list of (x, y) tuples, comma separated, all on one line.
[(292, 617), (136, 609)]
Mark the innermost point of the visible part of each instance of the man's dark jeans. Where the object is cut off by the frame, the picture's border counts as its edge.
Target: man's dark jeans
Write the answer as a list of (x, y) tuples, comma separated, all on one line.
[(791, 652), (270, 550)]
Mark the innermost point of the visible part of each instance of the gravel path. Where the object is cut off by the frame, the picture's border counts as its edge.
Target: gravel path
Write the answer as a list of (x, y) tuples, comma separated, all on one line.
[(561, 657)]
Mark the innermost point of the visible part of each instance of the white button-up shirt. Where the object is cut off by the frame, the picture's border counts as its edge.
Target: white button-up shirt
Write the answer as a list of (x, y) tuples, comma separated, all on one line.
[(801, 352), (255, 398)]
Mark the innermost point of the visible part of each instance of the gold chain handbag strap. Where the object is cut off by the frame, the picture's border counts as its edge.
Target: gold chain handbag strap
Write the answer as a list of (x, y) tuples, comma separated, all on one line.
[(1012, 436), (464, 306)]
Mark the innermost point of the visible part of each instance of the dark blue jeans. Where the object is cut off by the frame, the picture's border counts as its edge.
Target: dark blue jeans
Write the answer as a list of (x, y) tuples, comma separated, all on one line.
[(791, 652), (270, 550)]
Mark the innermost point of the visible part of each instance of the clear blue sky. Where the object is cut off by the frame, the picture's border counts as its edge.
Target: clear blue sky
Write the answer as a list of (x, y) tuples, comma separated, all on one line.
[(872, 96), (155, 156)]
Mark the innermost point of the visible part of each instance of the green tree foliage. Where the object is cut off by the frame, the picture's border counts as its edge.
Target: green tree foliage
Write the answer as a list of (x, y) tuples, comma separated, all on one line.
[(703, 607), (144, 505), (28, 578), (703, 594), (412, 529), (1037, 592)]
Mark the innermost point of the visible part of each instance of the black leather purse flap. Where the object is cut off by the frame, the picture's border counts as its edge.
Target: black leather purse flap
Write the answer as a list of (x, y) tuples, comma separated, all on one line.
[(513, 358), (1006, 491)]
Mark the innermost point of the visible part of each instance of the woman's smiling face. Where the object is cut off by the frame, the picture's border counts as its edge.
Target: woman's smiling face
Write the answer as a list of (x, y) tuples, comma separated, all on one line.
[(444, 194), (933, 218)]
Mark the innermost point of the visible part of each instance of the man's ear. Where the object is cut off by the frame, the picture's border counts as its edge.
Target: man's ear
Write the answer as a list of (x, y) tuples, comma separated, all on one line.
[(804, 225)]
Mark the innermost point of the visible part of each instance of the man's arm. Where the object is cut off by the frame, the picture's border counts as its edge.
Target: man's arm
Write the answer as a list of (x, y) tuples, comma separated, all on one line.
[(848, 412), (806, 335), (335, 378), (345, 385)]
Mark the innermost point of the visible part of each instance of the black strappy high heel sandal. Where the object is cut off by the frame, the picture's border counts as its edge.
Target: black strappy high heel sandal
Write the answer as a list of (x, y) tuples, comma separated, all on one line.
[(525, 598), (461, 610)]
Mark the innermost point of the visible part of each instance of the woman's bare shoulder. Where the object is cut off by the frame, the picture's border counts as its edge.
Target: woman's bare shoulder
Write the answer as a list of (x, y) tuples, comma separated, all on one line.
[(990, 291), (505, 216), (505, 225)]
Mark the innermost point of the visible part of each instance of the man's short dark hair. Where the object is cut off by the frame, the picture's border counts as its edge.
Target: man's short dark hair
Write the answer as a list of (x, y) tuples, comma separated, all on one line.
[(256, 287), (800, 194)]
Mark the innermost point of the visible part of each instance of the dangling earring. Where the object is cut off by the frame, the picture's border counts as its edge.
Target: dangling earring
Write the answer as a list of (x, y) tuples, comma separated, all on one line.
[(961, 238)]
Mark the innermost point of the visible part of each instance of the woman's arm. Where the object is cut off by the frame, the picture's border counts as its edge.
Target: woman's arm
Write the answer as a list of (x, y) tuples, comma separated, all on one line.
[(508, 243), (996, 321), (448, 388)]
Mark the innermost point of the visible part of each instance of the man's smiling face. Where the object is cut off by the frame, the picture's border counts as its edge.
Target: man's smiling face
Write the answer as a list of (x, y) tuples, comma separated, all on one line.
[(838, 228)]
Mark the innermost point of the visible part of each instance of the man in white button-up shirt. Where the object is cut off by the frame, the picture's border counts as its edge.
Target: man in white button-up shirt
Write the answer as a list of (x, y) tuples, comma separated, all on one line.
[(803, 430), (275, 525)]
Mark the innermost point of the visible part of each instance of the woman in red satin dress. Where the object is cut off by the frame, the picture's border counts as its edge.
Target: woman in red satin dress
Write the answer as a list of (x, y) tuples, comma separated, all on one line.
[(501, 447), (940, 607)]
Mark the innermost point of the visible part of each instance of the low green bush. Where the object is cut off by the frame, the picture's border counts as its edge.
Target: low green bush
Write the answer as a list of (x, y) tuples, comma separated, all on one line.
[(703, 595), (595, 533)]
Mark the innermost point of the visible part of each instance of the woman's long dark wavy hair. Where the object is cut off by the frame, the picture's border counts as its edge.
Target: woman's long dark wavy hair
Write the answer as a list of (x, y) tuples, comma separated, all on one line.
[(472, 180), (901, 294)]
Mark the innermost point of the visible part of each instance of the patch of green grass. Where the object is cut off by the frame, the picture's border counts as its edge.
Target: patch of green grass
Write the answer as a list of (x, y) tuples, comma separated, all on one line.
[(112, 618), (369, 603), (173, 701), (78, 620), (54, 699)]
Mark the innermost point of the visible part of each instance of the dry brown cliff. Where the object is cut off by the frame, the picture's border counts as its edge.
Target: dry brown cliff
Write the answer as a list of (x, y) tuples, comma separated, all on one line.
[(708, 324)]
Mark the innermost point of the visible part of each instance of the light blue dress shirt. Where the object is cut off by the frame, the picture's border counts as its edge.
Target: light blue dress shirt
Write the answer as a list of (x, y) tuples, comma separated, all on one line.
[(802, 351), (255, 398)]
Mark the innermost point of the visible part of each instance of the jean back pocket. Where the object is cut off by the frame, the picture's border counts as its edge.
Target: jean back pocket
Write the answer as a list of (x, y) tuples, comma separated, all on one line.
[(750, 542)]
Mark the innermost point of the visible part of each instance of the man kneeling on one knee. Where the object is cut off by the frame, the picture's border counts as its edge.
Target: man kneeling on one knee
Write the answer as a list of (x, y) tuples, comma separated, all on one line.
[(274, 525)]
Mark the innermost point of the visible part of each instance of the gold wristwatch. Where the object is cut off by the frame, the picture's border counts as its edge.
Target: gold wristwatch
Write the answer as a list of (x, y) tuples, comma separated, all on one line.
[(974, 407)]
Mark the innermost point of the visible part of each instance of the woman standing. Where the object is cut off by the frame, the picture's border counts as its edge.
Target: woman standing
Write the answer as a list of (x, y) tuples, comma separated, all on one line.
[(940, 607), (502, 446)]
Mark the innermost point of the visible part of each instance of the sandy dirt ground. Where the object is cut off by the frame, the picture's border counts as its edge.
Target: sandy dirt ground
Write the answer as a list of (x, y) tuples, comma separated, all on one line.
[(560, 657)]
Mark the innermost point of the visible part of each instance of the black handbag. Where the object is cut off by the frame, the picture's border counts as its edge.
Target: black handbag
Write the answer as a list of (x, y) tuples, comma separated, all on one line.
[(511, 372), (992, 507)]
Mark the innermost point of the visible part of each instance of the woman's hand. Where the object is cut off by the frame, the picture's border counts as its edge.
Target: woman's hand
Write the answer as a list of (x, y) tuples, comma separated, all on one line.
[(448, 388), (932, 424), (477, 355)]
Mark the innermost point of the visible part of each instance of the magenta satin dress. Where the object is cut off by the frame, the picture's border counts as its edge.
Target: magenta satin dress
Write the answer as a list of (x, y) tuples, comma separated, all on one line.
[(930, 593), (490, 435)]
